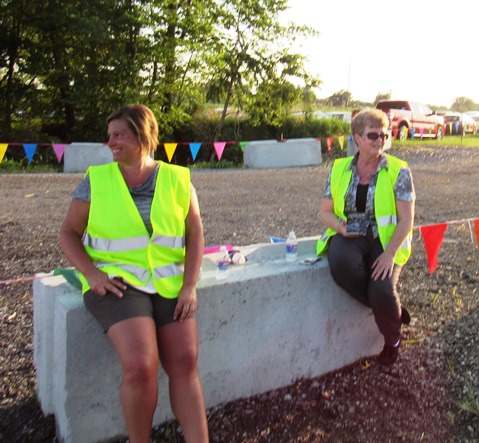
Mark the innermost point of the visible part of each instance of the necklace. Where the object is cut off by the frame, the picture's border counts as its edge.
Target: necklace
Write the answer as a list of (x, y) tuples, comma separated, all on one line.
[(366, 171)]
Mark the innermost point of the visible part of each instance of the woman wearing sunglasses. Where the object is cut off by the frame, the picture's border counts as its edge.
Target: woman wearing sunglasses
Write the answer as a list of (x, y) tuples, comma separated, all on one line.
[(368, 209)]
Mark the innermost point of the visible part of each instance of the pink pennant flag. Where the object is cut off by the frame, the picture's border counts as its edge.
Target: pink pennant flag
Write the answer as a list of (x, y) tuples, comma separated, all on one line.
[(219, 148), (3, 149), (433, 235), (194, 148), (421, 131), (170, 149), (59, 149)]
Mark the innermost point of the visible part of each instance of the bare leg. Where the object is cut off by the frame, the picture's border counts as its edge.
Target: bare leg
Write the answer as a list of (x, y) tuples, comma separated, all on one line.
[(135, 341), (178, 345)]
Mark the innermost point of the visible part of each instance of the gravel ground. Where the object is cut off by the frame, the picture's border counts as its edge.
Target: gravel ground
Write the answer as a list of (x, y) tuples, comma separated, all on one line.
[(418, 399)]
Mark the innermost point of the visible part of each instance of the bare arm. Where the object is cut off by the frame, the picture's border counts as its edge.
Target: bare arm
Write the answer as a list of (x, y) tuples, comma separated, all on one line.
[(187, 301), (71, 234), (329, 218), (384, 264)]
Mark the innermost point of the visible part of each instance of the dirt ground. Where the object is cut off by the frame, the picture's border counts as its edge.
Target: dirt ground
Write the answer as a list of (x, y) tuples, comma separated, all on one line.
[(422, 398)]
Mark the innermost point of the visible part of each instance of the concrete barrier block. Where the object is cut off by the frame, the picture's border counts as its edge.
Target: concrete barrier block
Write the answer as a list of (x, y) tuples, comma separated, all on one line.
[(282, 154), (271, 322), (78, 157)]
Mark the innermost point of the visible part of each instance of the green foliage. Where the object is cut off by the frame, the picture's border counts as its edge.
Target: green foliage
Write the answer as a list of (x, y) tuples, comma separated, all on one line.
[(65, 66), (470, 403), (463, 104)]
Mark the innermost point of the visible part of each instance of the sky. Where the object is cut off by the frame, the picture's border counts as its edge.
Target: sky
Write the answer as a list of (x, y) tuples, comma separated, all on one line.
[(419, 50)]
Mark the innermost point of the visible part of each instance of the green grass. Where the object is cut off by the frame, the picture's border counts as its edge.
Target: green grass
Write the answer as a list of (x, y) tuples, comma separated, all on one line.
[(470, 141)]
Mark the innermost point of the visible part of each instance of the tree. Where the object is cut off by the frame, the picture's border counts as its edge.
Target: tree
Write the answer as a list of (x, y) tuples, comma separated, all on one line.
[(382, 96), (68, 64), (340, 98), (252, 63), (463, 104)]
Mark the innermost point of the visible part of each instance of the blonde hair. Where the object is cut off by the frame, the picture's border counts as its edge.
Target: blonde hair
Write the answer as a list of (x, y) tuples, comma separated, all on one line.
[(143, 124), (374, 118)]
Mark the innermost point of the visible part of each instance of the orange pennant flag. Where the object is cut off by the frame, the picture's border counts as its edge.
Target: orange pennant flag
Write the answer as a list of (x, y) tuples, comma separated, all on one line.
[(476, 228), (329, 143), (433, 235), (170, 149), (219, 148), (3, 149), (395, 133)]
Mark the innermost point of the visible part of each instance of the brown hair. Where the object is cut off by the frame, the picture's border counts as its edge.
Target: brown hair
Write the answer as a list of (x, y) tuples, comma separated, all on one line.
[(142, 122), (374, 118)]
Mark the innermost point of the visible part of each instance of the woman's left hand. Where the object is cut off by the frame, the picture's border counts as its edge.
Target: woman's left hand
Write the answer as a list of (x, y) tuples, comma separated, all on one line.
[(187, 303), (383, 266)]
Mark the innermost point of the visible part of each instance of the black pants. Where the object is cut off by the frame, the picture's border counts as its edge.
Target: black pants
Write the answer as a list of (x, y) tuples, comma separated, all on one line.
[(350, 261)]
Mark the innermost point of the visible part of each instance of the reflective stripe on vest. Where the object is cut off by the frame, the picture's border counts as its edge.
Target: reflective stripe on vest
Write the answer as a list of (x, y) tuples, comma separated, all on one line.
[(117, 239), (384, 200)]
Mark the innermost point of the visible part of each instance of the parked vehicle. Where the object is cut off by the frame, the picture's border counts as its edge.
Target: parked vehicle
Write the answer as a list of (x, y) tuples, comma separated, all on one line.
[(412, 119), (475, 117), (345, 116), (459, 123)]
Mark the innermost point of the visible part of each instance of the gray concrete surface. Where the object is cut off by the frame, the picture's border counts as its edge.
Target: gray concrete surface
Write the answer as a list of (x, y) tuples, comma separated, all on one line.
[(79, 156), (270, 323), (284, 154)]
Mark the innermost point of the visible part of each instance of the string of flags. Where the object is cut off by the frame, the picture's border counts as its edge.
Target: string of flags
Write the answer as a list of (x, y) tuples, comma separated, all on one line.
[(169, 147), (432, 235)]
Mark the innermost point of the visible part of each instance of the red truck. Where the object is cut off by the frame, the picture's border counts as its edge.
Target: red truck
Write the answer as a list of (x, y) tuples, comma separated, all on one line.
[(411, 119)]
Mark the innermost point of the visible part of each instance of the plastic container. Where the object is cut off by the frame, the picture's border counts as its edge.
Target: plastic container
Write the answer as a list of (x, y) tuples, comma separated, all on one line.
[(291, 247), (222, 264)]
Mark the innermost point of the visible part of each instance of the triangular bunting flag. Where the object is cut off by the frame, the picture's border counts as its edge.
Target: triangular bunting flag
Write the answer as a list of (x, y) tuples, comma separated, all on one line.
[(170, 149), (243, 145), (421, 131), (413, 131), (329, 143), (476, 228), (3, 149), (30, 149), (194, 148), (433, 236), (395, 133), (341, 141), (219, 148), (59, 149)]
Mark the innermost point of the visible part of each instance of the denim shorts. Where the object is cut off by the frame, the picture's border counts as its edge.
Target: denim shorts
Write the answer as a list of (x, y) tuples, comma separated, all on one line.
[(109, 309)]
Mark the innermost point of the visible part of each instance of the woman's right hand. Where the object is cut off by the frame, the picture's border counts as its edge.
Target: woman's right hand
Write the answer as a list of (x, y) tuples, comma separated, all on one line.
[(100, 283)]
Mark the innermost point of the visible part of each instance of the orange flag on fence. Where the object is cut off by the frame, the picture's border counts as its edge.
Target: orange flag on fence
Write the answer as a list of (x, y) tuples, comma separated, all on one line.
[(433, 236), (329, 143), (476, 228)]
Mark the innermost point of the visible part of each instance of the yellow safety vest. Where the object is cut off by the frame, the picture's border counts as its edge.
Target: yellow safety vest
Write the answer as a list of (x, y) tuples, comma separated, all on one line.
[(384, 204), (117, 239)]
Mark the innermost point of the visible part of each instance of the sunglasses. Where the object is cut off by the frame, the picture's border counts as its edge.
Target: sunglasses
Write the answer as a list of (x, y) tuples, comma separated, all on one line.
[(376, 135)]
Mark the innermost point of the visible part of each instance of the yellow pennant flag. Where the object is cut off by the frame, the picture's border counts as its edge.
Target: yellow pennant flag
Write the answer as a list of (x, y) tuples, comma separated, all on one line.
[(341, 141), (170, 149), (3, 149)]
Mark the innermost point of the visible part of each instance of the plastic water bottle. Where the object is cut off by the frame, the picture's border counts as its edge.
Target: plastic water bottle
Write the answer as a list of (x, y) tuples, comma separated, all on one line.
[(291, 247), (222, 264)]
